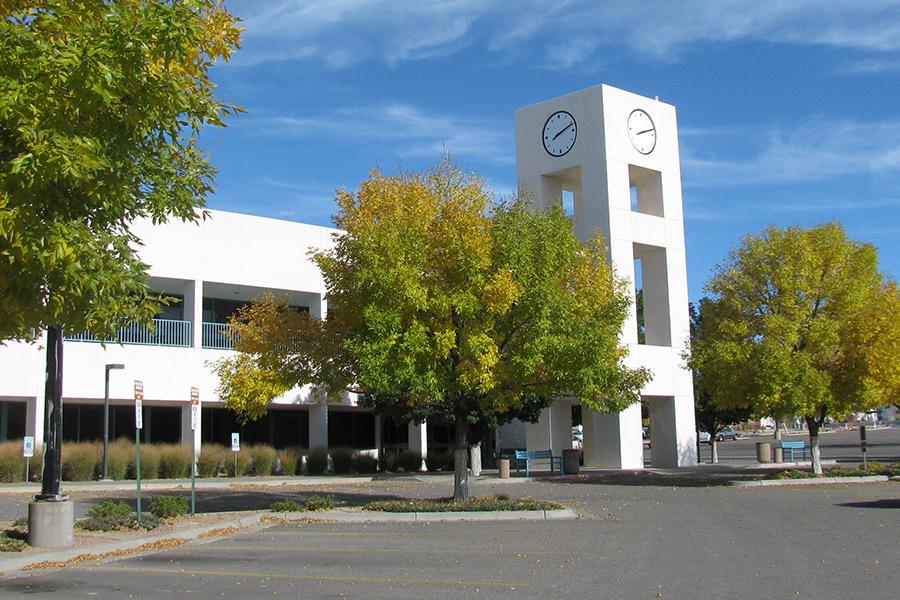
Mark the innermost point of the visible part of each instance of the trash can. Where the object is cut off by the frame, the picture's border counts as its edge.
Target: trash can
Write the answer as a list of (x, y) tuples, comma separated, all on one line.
[(570, 460), (503, 468), (779, 454), (764, 452)]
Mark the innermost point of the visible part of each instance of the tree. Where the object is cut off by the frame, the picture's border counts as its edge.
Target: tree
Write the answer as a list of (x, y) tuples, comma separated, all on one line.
[(711, 416), (445, 305), (801, 323), (101, 104)]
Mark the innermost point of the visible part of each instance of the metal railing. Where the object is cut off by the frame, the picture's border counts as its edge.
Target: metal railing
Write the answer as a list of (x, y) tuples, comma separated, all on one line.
[(165, 332), (217, 336)]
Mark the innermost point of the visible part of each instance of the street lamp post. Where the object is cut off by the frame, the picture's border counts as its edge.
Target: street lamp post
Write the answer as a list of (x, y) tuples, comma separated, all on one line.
[(109, 367)]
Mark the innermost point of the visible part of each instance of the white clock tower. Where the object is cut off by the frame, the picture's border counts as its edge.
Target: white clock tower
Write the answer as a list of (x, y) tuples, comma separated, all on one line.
[(611, 158)]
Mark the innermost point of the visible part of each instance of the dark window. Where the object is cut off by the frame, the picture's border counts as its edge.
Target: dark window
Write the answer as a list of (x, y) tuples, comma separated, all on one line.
[(280, 428), (175, 309), (351, 429), (12, 420)]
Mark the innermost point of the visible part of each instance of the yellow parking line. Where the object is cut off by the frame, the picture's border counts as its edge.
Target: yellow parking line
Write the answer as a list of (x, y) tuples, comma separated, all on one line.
[(335, 578), (288, 550)]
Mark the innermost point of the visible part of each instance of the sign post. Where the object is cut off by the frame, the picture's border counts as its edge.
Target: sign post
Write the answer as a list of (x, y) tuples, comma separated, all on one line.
[(28, 452), (863, 444), (235, 448), (195, 423), (138, 425)]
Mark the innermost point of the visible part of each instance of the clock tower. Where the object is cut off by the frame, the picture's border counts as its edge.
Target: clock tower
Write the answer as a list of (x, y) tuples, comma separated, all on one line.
[(611, 158)]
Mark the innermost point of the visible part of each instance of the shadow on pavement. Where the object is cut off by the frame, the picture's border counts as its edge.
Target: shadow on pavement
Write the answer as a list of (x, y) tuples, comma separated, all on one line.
[(707, 477), (883, 503)]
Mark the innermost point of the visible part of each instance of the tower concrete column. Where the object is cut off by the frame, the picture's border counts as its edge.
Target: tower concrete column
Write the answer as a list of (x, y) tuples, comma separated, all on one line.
[(613, 441), (672, 432), (553, 430), (193, 310), (418, 440), (318, 426)]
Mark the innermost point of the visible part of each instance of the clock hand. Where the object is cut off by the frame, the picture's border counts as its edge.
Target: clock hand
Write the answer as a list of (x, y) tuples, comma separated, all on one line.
[(563, 130), (644, 131)]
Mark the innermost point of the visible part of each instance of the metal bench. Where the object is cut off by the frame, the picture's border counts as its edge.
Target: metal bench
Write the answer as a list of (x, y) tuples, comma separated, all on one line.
[(529, 456), (794, 446)]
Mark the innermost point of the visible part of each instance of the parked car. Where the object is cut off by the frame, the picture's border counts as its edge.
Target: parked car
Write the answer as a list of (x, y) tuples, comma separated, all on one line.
[(727, 434), (703, 436), (646, 432)]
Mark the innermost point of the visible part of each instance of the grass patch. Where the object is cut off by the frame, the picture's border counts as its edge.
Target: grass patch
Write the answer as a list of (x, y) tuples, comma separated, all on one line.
[(499, 502), (872, 468), (11, 544)]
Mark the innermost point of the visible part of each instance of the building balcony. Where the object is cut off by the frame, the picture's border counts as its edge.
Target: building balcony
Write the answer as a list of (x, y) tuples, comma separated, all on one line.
[(218, 336), (162, 332)]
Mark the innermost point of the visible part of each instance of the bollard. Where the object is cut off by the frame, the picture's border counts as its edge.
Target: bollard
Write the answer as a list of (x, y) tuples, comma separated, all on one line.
[(503, 467), (779, 454), (764, 452), (570, 460)]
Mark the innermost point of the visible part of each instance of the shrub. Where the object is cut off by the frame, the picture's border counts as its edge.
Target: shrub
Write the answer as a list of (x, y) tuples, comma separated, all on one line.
[(263, 460), (317, 461), (80, 461), (410, 461), (121, 454), (390, 461), (11, 544), (110, 509), (290, 461), (243, 463), (150, 459), (285, 506), (316, 503), (12, 465), (439, 461), (499, 502), (342, 460), (363, 463), (118, 522), (166, 507), (210, 460), (174, 461)]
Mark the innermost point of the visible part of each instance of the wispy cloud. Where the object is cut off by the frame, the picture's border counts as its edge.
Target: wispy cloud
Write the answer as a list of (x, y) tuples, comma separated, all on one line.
[(870, 66), (404, 129), (340, 33), (816, 150)]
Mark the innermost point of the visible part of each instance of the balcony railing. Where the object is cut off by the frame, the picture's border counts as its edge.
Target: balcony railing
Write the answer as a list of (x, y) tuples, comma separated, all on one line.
[(165, 332), (217, 336)]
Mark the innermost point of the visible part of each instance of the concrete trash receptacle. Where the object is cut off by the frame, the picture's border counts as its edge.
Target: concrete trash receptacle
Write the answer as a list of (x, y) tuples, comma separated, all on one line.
[(503, 468), (570, 460), (764, 452)]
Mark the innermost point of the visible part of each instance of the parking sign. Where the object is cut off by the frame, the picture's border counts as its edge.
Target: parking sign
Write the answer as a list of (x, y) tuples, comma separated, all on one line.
[(28, 446), (235, 442)]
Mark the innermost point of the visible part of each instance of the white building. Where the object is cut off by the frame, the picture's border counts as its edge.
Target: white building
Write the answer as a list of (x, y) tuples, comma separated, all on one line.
[(612, 154)]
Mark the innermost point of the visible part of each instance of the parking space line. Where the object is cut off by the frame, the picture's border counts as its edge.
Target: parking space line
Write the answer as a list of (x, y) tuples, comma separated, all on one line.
[(400, 534), (333, 578), (289, 550)]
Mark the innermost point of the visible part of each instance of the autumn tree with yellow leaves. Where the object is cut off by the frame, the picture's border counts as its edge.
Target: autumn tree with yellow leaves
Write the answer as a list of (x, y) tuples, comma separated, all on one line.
[(800, 322), (446, 305)]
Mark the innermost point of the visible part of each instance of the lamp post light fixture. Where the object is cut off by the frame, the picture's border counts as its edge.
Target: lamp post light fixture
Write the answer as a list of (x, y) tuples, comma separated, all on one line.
[(109, 368)]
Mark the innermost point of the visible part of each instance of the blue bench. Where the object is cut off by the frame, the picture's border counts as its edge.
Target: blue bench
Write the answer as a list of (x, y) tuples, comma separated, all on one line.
[(794, 446), (529, 456)]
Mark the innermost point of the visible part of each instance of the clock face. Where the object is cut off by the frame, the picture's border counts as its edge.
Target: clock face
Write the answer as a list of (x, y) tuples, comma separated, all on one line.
[(641, 131), (559, 134)]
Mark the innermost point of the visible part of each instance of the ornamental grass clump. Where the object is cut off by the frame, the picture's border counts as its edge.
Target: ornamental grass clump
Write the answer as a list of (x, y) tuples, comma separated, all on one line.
[(289, 459), (12, 465), (243, 463), (263, 457), (150, 461), (342, 460), (317, 461), (363, 463), (174, 461), (211, 459), (80, 461), (121, 454)]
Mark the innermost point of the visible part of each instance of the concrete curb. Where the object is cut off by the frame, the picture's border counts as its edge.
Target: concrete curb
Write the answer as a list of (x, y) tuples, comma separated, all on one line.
[(430, 517), (20, 562), (816, 481), (185, 484), (16, 563)]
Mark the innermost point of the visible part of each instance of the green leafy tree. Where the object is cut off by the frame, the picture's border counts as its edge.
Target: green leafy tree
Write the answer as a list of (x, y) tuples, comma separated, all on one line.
[(101, 105), (712, 417), (445, 305), (801, 323)]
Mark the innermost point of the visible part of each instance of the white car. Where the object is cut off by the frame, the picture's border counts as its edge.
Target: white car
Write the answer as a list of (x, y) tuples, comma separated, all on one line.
[(703, 437)]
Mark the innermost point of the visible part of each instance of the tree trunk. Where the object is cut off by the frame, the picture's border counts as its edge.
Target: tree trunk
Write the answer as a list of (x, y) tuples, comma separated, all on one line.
[(52, 474), (461, 467), (713, 449), (814, 452), (778, 434)]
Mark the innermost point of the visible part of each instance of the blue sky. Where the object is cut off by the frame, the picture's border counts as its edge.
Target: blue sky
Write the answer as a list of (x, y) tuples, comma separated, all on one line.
[(789, 112)]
